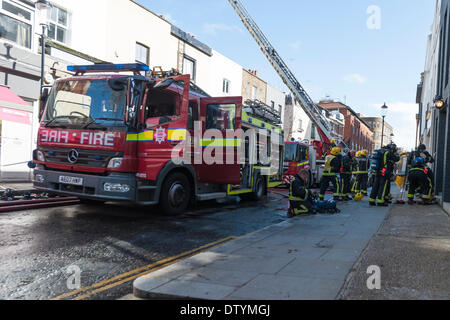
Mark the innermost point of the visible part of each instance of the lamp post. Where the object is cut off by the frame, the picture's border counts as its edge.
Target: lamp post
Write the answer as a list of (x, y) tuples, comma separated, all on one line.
[(42, 6), (384, 110)]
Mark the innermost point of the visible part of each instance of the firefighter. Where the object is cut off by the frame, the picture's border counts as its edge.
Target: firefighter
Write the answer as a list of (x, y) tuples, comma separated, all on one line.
[(346, 175), (423, 153), (355, 170), (328, 152), (362, 172), (395, 157), (418, 179), (385, 160), (300, 198), (330, 174)]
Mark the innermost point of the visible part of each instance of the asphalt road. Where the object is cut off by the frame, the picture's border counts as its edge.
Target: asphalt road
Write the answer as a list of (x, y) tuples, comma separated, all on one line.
[(113, 243)]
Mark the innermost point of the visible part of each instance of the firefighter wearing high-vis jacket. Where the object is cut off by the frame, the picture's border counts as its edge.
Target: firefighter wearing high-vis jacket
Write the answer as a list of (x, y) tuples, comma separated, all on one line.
[(330, 174), (362, 173), (419, 181), (300, 197), (385, 160), (346, 175), (422, 152)]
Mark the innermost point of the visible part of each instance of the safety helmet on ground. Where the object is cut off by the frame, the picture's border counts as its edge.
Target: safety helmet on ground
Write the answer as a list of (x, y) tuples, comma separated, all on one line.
[(336, 151), (358, 197), (419, 162)]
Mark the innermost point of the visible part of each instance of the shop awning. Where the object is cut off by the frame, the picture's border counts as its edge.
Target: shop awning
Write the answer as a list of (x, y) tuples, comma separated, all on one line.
[(9, 99), (13, 108)]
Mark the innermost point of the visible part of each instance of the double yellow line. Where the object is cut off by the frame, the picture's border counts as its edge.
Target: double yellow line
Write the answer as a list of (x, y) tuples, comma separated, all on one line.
[(104, 285)]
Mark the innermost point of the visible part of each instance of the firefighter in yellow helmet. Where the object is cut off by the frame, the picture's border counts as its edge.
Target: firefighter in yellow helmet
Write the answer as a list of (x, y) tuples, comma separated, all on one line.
[(332, 145), (330, 173)]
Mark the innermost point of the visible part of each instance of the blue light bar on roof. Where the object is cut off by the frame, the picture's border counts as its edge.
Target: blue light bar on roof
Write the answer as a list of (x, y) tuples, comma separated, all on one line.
[(109, 68)]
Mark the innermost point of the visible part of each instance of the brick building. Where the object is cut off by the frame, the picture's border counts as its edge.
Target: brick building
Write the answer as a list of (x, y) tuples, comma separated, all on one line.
[(357, 133)]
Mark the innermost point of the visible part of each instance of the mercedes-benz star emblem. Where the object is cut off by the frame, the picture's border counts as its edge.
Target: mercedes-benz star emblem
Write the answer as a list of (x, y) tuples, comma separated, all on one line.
[(73, 156)]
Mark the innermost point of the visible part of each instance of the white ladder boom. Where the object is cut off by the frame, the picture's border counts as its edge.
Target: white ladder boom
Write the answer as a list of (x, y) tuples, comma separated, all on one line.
[(311, 109)]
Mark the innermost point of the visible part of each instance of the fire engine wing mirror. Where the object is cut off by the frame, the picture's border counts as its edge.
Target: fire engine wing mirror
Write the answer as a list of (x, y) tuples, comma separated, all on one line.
[(43, 102), (119, 84), (164, 84)]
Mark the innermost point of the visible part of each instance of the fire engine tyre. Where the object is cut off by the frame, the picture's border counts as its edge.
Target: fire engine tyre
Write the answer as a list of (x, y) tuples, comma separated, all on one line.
[(259, 189), (175, 194)]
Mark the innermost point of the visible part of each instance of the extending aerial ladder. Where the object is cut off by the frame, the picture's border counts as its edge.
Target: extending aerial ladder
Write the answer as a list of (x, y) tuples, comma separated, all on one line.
[(312, 110)]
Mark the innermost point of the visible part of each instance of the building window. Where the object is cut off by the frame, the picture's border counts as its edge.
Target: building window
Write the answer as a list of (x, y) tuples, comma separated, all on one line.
[(272, 104), (226, 86), (313, 132), (254, 92), (189, 67), (142, 53), (58, 24), (15, 24), (280, 108)]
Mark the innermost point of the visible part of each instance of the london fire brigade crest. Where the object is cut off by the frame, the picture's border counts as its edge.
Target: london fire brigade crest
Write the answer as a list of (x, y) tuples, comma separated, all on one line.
[(160, 135)]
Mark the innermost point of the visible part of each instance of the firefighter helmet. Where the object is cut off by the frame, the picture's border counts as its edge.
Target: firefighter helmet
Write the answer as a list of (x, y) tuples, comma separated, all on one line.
[(358, 197), (336, 151), (333, 140), (419, 162), (358, 154), (364, 153)]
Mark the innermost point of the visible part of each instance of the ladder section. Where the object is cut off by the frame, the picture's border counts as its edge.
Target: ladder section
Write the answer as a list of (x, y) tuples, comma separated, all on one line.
[(311, 109)]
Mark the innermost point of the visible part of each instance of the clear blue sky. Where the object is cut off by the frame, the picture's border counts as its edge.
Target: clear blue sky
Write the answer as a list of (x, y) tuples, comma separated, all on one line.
[(327, 45)]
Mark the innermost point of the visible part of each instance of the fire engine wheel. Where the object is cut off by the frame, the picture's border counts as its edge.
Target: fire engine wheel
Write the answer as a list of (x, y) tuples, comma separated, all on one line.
[(175, 194), (259, 189)]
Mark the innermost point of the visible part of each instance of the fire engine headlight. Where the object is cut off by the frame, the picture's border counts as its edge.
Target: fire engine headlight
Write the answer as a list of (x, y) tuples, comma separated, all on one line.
[(116, 187), (39, 178), (115, 163), (40, 156)]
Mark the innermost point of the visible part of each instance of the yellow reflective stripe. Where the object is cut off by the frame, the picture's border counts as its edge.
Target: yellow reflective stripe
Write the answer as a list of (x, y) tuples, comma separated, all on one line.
[(258, 123), (303, 164), (132, 137), (177, 134), (145, 136), (221, 143)]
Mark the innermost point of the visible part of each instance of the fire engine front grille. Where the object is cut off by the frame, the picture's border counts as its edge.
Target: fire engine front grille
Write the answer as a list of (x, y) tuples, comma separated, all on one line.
[(87, 158)]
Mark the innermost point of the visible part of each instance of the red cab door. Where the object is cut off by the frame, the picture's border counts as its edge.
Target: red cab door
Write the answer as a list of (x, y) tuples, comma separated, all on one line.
[(220, 141)]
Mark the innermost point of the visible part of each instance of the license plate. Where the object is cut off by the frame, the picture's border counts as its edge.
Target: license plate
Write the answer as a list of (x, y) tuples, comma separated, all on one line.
[(71, 180)]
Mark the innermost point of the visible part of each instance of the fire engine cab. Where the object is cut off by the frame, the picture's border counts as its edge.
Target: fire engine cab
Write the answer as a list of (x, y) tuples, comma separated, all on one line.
[(109, 133)]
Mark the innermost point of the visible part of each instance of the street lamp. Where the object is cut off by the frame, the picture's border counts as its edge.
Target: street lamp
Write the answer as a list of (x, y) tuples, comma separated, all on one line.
[(439, 102), (42, 6), (384, 110)]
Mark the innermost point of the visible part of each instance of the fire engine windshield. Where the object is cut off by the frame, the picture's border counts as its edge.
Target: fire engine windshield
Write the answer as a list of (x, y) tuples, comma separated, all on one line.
[(83, 103)]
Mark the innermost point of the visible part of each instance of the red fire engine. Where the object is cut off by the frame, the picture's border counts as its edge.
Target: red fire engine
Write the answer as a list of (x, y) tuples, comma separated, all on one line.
[(107, 136)]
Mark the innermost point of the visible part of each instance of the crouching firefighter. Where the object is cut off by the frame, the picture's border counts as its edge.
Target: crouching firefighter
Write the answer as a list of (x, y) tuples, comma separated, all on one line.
[(419, 180), (330, 174), (300, 198)]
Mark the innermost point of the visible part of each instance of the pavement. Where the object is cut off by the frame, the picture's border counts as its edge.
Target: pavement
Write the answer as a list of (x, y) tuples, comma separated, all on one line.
[(412, 250), (304, 258), (17, 186)]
